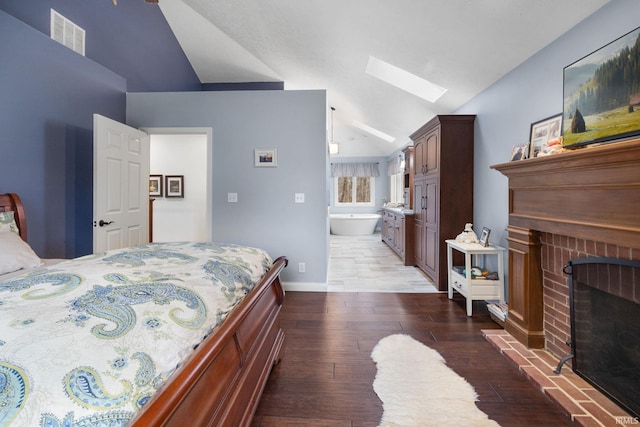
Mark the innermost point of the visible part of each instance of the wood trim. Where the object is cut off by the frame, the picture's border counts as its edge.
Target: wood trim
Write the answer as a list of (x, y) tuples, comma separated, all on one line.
[(591, 193), (525, 321), (221, 382)]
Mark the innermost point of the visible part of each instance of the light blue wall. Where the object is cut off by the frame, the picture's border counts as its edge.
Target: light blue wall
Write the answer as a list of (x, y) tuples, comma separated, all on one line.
[(48, 95), (293, 122), (529, 93)]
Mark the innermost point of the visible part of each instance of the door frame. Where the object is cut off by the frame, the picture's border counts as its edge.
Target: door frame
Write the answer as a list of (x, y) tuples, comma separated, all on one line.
[(151, 131)]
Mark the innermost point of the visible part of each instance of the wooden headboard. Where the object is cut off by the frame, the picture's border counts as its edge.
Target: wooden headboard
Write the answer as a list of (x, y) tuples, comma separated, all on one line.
[(11, 202)]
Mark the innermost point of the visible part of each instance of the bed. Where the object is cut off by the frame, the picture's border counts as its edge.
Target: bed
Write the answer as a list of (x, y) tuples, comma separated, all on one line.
[(222, 365)]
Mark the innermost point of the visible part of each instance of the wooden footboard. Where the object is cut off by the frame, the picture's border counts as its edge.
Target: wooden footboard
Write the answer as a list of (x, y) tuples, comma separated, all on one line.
[(222, 381)]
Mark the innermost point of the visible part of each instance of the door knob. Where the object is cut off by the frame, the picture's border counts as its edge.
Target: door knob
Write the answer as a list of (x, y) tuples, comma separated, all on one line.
[(102, 223)]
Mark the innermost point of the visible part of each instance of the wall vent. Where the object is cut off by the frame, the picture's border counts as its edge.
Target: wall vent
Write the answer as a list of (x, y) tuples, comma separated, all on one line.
[(67, 33)]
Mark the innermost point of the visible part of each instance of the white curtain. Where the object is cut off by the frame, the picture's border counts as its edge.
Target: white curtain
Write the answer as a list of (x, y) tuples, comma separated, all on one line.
[(395, 166), (354, 169)]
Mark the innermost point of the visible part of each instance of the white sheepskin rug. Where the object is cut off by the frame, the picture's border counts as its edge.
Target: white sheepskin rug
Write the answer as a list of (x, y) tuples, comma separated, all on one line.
[(418, 389)]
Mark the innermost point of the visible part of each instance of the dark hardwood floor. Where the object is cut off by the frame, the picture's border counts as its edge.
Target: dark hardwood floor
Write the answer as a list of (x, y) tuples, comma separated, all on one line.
[(326, 373)]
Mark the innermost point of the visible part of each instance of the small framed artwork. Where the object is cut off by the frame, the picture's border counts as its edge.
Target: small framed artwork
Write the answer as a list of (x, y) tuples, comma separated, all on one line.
[(174, 185), (520, 152), (266, 157), (155, 185), (543, 131), (484, 237)]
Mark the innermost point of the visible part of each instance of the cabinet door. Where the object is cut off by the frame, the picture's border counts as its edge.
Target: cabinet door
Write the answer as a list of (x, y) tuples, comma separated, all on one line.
[(431, 203), (420, 203), (418, 241), (431, 148), (419, 155), (398, 238), (431, 252), (387, 230)]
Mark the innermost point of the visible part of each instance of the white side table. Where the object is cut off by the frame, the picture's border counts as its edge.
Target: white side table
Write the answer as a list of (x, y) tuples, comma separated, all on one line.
[(475, 288)]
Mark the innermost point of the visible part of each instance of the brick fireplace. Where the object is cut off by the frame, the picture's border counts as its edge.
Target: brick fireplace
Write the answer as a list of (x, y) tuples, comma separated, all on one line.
[(578, 203), (556, 251)]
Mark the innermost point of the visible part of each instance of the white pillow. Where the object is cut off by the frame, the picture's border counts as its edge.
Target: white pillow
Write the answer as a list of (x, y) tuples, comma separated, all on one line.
[(15, 253)]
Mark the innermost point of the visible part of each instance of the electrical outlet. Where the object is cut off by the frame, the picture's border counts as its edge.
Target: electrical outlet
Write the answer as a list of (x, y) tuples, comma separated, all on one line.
[(232, 197), (299, 197), (302, 267)]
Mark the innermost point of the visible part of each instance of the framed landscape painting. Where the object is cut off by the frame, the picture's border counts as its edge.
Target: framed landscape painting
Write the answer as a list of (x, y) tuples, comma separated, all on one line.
[(602, 94)]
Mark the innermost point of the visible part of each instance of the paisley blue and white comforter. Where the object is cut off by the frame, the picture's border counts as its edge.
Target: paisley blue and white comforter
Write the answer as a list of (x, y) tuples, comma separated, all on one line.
[(88, 341)]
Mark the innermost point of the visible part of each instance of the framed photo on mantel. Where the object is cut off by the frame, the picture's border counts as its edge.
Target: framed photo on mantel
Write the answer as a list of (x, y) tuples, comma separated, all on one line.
[(543, 132)]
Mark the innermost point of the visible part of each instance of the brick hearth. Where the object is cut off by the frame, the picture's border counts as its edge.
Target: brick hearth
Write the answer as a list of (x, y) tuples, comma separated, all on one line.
[(584, 404)]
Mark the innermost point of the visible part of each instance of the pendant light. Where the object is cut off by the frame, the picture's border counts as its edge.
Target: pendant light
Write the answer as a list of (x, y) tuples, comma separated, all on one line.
[(334, 148)]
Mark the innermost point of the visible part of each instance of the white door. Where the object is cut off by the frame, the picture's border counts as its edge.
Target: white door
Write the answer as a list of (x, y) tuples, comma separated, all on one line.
[(120, 185)]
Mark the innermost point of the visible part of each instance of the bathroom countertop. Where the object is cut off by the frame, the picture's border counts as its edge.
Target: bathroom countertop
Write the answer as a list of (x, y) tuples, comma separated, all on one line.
[(402, 211)]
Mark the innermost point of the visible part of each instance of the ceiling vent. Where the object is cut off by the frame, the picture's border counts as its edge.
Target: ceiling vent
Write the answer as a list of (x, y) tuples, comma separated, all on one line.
[(67, 33)]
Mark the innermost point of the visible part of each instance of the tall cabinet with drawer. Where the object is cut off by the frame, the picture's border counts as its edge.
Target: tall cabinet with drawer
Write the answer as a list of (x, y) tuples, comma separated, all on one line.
[(442, 189)]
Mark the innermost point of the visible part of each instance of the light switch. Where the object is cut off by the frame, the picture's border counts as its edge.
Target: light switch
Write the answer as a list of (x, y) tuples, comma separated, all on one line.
[(232, 197), (299, 197)]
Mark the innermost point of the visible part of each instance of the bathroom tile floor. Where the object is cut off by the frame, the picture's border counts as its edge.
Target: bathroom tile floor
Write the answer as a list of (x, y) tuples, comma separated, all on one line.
[(366, 264)]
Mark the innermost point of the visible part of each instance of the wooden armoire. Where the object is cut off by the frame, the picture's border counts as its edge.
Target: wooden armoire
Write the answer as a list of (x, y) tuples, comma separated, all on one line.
[(443, 189)]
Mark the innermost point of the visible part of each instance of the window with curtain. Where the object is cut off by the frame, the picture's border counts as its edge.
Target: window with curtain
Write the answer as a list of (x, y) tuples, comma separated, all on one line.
[(354, 183), (396, 180)]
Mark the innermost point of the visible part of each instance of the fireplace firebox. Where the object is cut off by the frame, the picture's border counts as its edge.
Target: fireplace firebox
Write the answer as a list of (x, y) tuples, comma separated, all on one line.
[(605, 326)]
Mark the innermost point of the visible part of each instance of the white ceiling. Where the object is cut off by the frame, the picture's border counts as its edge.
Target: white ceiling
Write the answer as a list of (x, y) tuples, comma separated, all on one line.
[(463, 45)]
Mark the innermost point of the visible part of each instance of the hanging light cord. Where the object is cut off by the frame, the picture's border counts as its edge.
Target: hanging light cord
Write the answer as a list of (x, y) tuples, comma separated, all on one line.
[(332, 110)]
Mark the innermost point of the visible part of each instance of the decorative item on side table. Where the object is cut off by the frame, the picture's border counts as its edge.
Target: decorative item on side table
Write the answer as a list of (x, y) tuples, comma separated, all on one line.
[(174, 186), (468, 235), (484, 237), (544, 136), (155, 185), (266, 157), (520, 152)]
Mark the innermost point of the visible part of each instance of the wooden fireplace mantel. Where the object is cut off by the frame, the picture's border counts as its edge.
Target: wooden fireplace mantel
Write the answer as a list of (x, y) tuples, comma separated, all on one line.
[(590, 193)]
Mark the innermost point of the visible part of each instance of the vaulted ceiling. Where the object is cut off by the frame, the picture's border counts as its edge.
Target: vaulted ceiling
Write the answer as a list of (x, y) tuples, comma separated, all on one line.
[(462, 45)]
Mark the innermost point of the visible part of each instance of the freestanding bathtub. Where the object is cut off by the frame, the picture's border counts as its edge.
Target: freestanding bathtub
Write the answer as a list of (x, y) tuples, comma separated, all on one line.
[(353, 224)]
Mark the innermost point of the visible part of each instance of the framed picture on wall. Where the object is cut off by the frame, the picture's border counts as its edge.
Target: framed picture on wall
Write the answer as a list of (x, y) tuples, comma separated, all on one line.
[(266, 157), (174, 185), (155, 185)]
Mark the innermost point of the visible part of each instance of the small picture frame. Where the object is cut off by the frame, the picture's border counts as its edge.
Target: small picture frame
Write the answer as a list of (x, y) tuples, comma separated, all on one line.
[(155, 185), (520, 152), (484, 237), (174, 186), (544, 131), (266, 157)]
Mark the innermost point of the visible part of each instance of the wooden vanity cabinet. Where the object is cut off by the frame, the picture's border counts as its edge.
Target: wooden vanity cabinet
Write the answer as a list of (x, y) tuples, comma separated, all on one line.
[(397, 233), (442, 190)]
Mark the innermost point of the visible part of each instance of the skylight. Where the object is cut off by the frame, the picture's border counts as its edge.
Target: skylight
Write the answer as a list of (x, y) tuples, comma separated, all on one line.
[(373, 131), (404, 80)]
